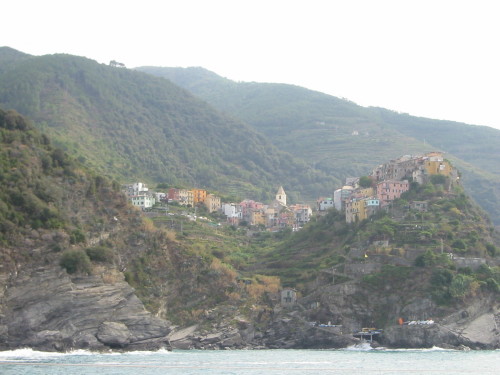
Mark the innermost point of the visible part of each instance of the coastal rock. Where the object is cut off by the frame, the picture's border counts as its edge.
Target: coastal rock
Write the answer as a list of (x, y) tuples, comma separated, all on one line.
[(232, 339), (47, 310), (419, 336), (295, 333), (474, 332), (183, 338), (113, 334)]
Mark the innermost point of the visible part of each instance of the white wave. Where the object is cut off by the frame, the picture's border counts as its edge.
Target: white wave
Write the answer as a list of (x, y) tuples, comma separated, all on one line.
[(28, 353), (433, 349), (138, 352), (364, 346)]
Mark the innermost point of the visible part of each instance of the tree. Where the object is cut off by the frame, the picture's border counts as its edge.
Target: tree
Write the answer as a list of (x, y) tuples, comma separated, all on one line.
[(365, 182)]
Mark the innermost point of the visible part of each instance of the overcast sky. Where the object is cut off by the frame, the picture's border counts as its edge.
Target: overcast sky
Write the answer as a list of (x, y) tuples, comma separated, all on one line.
[(437, 59)]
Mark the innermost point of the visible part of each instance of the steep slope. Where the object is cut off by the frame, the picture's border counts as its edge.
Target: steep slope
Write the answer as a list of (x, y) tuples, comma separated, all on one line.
[(344, 139), (131, 125), (71, 246), (404, 264), (66, 238), (51, 209)]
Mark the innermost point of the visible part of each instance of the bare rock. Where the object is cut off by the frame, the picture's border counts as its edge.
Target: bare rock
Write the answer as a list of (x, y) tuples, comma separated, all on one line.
[(46, 309), (113, 334)]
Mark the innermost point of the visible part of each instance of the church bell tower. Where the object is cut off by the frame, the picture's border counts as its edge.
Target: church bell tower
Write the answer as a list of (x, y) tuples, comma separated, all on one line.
[(281, 196)]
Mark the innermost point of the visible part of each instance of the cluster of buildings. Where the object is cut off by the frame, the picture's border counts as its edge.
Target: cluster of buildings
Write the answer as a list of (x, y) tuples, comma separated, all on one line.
[(140, 196), (388, 182), (274, 216)]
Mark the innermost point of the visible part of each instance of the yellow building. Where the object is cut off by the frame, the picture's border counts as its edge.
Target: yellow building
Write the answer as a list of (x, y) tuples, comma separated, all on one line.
[(355, 210), (258, 217), (212, 202), (439, 166), (366, 192)]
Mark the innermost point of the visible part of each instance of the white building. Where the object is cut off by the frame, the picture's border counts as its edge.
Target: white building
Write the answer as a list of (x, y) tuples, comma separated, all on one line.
[(143, 201), (340, 196), (137, 188), (232, 210), (325, 204)]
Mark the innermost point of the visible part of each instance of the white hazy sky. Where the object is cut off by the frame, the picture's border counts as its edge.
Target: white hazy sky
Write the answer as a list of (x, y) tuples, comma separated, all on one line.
[(437, 59)]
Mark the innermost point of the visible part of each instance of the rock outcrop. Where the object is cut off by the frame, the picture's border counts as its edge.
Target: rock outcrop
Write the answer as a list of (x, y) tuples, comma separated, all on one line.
[(46, 309)]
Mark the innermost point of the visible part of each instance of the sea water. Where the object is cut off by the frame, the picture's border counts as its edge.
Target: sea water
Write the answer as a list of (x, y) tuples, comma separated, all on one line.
[(355, 360)]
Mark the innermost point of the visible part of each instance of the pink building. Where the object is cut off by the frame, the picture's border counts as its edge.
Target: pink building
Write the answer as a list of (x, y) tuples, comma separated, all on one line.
[(387, 191)]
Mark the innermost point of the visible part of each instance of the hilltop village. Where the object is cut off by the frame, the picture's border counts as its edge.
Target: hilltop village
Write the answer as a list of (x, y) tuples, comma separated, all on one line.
[(362, 197), (359, 198)]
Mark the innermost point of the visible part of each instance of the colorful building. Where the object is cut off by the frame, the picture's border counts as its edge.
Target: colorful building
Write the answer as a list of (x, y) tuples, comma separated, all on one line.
[(387, 191), (355, 210), (212, 202), (199, 195)]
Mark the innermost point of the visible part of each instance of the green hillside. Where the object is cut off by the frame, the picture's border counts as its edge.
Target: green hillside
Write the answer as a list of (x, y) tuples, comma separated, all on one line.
[(393, 264), (344, 139), (133, 126), (72, 231), (56, 215)]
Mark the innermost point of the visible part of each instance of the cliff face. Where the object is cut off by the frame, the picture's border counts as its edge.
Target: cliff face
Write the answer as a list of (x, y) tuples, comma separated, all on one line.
[(46, 309), (52, 208), (471, 327)]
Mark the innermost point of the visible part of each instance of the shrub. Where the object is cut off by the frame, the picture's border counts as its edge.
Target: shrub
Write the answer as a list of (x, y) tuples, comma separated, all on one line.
[(100, 254), (430, 258), (491, 249), (75, 261), (459, 245), (492, 285), (439, 286), (76, 236), (460, 285), (438, 179)]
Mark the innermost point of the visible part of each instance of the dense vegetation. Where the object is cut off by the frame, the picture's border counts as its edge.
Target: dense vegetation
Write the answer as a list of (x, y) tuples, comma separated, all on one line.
[(133, 126), (344, 139), (27, 197), (55, 212), (453, 224)]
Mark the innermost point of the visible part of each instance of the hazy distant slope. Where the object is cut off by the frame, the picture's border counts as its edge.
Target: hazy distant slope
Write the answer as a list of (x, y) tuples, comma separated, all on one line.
[(345, 139), (135, 126), (314, 126), (477, 145), (9, 57)]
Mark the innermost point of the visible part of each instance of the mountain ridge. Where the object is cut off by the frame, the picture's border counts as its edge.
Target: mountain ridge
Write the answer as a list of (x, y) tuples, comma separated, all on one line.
[(132, 125), (344, 139)]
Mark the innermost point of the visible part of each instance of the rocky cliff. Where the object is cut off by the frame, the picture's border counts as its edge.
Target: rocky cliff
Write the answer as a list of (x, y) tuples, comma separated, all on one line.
[(46, 309)]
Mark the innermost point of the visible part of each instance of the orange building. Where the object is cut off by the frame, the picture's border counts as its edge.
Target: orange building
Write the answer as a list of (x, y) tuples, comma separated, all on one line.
[(199, 195)]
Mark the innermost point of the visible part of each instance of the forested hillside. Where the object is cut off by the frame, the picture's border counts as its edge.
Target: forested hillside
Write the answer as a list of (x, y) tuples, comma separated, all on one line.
[(70, 230), (133, 126), (344, 139)]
